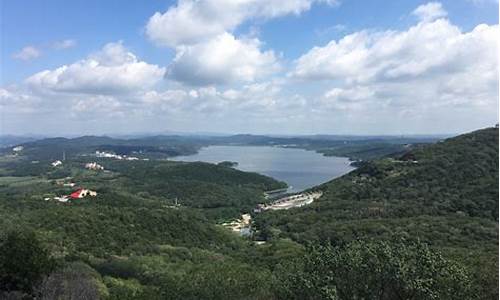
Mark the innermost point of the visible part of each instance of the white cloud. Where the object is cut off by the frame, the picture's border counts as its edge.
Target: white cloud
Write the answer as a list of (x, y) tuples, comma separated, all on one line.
[(27, 53), (432, 77), (432, 73), (190, 21), (223, 59), (207, 51), (98, 106), (430, 11), (16, 100), (64, 44), (261, 101), (426, 49), (111, 70)]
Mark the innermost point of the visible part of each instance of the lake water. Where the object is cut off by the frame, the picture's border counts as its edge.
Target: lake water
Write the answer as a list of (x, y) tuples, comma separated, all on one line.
[(299, 168)]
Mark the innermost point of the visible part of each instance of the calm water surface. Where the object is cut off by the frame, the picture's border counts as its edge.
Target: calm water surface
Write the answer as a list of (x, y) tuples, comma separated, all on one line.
[(299, 168)]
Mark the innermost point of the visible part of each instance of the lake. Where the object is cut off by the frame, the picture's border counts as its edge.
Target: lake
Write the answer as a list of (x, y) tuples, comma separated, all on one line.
[(300, 169)]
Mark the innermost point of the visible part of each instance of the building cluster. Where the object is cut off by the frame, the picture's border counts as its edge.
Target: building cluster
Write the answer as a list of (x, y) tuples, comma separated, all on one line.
[(291, 201), (78, 194), (94, 166), (115, 156), (82, 193)]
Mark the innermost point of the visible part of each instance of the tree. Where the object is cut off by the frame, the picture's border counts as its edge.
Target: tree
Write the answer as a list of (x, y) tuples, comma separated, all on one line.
[(23, 261), (373, 270), (75, 281)]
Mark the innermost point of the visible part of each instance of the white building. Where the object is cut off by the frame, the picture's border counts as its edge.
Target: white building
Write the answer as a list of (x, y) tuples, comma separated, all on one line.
[(107, 155), (56, 163), (93, 166), (62, 199)]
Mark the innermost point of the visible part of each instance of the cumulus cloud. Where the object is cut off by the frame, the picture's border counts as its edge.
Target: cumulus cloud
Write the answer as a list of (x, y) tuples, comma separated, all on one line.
[(17, 100), (111, 70), (427, 49), (27, 53), (432, 70), (97, 106), (191, 21), (64, 44), (223, 59), (210, 99), (348, 97), (430, 11), (207, 51), (431, 77)]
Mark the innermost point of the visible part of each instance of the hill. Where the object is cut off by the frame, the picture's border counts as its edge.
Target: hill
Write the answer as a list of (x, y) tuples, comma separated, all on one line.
[(165, 146), (152, 147), (424, 222), (445, 194)]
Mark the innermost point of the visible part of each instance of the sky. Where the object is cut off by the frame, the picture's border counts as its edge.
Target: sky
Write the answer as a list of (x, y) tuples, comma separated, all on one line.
[(248, 66)]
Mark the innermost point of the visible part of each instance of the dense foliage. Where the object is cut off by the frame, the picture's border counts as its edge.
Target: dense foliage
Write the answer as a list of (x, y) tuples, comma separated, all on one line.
[(419, 225), (196, 184), (444, 194), (23, 262), (372, 270)]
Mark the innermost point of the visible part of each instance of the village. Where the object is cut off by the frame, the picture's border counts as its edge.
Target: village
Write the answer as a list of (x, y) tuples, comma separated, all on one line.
[(80, 192)]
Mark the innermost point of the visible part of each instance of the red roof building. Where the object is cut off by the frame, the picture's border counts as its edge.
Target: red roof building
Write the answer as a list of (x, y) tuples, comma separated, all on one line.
[(77, 194)]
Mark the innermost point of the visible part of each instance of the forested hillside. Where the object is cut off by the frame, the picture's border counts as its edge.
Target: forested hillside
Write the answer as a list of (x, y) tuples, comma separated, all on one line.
[(421, 225), (444, 194), (131, 241)]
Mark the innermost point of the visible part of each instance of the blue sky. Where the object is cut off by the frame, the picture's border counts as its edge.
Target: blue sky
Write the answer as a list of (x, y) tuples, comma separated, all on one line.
[(260, 66)]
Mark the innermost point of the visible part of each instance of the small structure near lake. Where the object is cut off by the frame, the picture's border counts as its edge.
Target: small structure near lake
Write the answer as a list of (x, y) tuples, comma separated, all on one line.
[(292, 201)]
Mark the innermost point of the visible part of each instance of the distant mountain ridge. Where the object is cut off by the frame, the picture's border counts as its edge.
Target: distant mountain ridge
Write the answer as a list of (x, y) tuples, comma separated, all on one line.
[(164, 146), (12, 140)]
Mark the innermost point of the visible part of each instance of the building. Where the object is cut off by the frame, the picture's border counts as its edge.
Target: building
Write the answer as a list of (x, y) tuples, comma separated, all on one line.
[(81, 193), (107, 155), (56, 163), (62, 199), (94, 166), (18, 148)]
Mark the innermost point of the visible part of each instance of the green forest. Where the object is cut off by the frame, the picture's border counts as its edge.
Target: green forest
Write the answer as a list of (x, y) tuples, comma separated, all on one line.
[(411, 222)]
